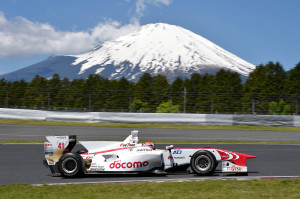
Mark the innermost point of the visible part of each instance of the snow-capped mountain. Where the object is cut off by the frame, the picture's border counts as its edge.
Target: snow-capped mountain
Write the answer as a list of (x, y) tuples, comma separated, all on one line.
[(156, 48)]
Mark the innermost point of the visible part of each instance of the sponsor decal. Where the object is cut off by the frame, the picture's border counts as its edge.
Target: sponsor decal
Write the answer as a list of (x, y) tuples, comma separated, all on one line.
[(97, 168), (179, 157), (126, 145), (124, 165), (87, 157), (47, 146), (139, 150), (61, 137), (178, 151), (50, 162), (61, 145), (224, 155), (234, 168)]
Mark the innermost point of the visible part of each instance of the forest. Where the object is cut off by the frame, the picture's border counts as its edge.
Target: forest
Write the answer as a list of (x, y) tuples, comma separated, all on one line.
[(269, 89)]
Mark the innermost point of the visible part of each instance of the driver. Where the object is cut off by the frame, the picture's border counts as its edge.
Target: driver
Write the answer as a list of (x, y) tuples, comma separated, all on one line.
[(149, 144)]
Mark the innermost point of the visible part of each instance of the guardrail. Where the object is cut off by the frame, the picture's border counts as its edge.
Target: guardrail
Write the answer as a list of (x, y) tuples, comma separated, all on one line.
[(164, 118)]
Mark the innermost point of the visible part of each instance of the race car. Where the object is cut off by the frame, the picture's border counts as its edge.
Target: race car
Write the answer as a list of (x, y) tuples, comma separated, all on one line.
[(130, 156)]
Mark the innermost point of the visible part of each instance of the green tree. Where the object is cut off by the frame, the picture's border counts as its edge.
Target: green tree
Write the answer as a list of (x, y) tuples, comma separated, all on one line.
[(177, 88), (192, 88), (16, 93), (121, 94), (205, 96), (279, 108), (36, 95), (160, 90), (138, 106), (78, 97), (143, 88), (63, 97), (167, 107), (269, 78), (54, 86), (293, 87), (227, 88), (293, 80), (3, 90), (264, 84)]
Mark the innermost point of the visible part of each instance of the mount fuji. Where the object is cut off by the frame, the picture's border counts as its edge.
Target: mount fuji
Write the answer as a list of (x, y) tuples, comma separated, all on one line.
[(156, 49)]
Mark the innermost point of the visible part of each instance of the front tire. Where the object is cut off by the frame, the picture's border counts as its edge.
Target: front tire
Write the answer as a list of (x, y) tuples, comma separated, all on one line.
[(203, 163), (71, 165)]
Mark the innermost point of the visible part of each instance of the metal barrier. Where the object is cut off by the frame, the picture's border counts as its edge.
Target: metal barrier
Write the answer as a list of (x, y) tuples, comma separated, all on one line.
[(164, 118)]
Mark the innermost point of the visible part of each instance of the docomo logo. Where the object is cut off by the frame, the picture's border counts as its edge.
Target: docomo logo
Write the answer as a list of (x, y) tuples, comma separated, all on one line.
[(124, 165)]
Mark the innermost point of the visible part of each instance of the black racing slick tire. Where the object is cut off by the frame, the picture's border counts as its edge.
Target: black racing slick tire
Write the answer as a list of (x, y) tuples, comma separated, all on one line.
[(71, 165), (203, 163)]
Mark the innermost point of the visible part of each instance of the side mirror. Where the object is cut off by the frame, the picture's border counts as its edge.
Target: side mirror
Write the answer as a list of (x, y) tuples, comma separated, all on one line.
[(169, 147)]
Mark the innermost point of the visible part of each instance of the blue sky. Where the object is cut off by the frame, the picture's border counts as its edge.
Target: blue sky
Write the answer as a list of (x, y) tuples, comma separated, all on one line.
[(258, 31)]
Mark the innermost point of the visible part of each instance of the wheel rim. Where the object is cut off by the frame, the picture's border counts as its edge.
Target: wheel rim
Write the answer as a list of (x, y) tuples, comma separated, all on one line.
[(203, 163), (69, 165)]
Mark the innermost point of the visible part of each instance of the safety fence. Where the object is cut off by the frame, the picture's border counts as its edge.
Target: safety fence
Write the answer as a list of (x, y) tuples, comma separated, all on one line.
[(149, 102)]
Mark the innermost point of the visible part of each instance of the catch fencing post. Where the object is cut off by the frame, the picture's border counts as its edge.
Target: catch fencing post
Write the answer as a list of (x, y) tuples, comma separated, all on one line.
[(297, 105), (130, 102), (184, 100), (171, 103), (253, 104), (48, 101), (90, 101), (6, 101), (212, 104)]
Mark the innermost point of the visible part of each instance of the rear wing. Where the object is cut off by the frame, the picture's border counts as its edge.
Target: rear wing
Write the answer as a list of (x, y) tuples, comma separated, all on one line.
[(57, 146)]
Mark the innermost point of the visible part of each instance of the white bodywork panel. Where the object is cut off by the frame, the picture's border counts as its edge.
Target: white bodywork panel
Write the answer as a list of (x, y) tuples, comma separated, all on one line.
[(94, 146)]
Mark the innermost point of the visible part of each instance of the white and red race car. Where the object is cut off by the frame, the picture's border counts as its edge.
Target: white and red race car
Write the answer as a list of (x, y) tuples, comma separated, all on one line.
[(130, 156)]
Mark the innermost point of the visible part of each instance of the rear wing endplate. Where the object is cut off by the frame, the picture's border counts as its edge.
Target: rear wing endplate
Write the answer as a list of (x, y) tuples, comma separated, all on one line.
[(57, 146)]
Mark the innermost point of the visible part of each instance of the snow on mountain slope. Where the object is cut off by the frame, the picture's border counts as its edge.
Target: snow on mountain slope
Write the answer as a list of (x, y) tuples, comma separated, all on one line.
[(159, 49), (156, 49)]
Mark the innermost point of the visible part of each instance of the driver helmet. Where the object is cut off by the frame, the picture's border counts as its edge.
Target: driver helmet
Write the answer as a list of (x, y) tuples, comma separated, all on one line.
[(149, 144)]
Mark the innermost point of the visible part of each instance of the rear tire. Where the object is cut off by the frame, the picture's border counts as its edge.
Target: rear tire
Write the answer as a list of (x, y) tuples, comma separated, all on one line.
[(71, 165), (203, 163)]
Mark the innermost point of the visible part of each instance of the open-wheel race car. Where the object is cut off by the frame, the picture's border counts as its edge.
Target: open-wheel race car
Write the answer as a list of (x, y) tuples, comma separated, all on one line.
[(130, 156)]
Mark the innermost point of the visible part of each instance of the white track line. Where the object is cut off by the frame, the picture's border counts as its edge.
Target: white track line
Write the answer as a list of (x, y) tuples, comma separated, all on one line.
[(176, 180)]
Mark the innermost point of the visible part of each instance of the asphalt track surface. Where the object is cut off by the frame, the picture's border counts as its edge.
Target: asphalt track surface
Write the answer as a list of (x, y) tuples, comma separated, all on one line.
[(36, 132), (22, 163)]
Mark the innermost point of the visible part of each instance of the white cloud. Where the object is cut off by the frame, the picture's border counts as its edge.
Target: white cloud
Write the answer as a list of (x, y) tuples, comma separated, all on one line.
[(141, 5), (22, 38)]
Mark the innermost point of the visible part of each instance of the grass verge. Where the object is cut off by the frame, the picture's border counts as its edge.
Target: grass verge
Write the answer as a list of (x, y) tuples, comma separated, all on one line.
[(161, 126), (198, 189)]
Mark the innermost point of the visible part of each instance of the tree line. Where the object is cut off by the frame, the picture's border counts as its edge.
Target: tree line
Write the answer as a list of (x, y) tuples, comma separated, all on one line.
[(269, 89)]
